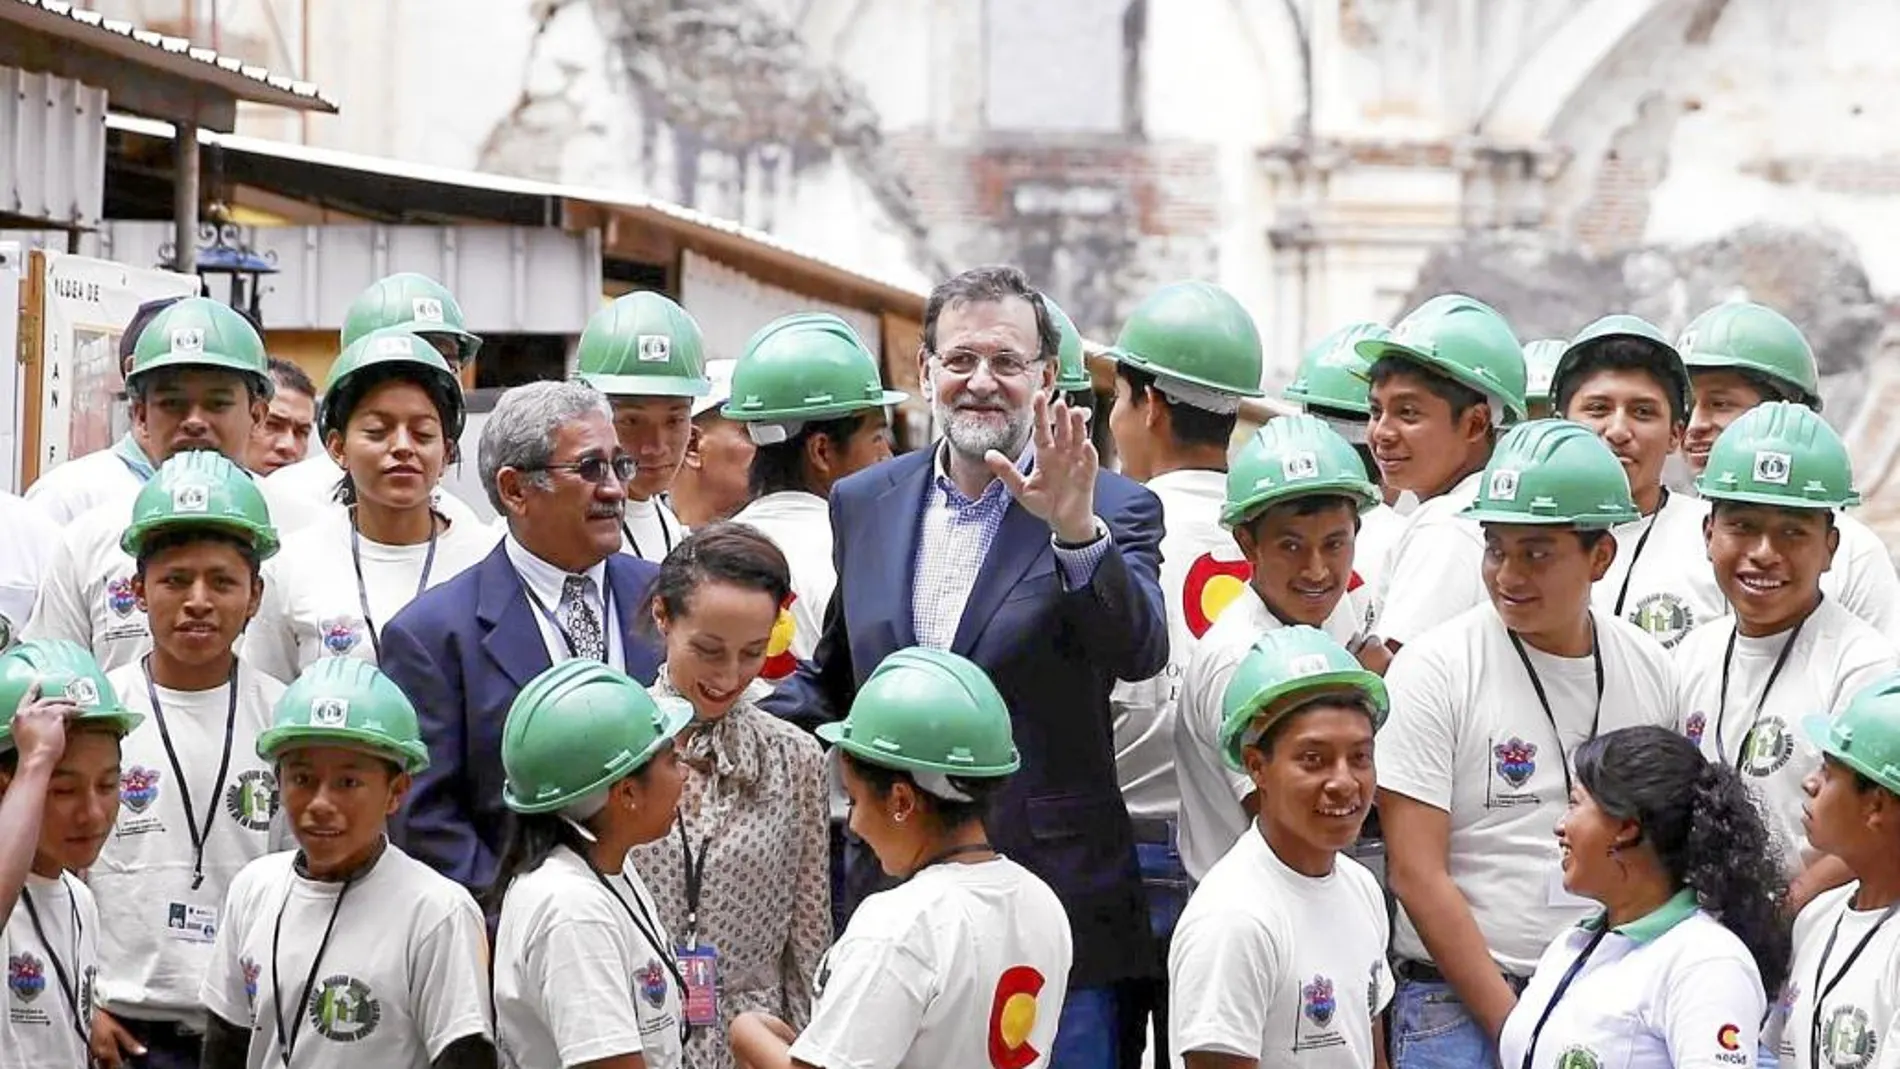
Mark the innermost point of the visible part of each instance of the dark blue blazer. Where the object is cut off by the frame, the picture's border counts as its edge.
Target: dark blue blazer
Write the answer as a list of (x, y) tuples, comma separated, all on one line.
[(1053, 652), (461, 652)]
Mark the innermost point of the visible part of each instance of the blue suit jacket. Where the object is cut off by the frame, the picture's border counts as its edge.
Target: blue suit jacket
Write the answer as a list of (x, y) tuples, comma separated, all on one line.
[(1053, 652), (461, 652)]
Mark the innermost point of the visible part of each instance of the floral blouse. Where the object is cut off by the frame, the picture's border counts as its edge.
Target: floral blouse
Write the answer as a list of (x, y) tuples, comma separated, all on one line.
[(756, 786)]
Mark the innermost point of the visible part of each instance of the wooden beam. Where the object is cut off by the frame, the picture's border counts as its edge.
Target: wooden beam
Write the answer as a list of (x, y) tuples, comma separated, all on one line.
[(129, 86)]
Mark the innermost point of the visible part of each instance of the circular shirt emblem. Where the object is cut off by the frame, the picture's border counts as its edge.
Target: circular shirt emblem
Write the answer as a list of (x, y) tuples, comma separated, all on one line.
[(252, 800), (119, 596), (342, 1009), (653, 983), (1767, 748), (1846, 1041), (340, 634), (1578, 1058), (1664, 617), (6, 631)]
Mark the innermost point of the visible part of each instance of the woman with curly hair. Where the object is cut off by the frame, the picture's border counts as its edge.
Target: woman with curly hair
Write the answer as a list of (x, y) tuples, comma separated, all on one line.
[(1674, 971)]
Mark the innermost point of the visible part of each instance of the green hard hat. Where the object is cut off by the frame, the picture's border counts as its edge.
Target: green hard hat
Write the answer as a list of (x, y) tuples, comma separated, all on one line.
[(1744, 336), (415, 303), (1540, 369), (1195, 333), (1667, 362), (199, 332), (1465, 340), (1865, 736), (200, 488), (805, 367), (344, 701), (1553, 471), (1332, 374), (643, 345), (928, 710), (1072, 369), (63, 669), (391, 349), (1289, 457), (577, 728), (1284, 662), (1783, 454)]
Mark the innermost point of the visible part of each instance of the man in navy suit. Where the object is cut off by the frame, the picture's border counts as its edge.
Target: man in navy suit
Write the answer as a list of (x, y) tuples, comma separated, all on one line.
[(556, 587), (1008, 545)]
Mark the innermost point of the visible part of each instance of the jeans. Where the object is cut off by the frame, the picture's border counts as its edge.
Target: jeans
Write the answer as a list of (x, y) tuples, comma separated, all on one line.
[(1166, 882), (1088, 1035), (167, 1046), (1766, 1058), (1431, 1029)]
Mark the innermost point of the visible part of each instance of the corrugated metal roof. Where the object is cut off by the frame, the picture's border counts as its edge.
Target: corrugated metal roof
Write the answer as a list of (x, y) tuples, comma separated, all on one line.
[(177, 55)]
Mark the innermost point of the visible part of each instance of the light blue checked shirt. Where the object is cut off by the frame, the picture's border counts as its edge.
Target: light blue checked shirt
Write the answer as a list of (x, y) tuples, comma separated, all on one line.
[(955, 540)]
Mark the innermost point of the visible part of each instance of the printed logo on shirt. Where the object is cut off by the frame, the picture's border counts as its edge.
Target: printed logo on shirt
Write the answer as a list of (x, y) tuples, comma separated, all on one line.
[(340, 634), (1694, 727), (1503, 485), (1772, 467), (342, 1009), (1846, 1041), (1663, 617), (1013, 1012), (252, 800), (119, 596), (653, 983), (251, 972), (779, 660), (26, 976), (6, 631), (88, 987), (1729, 1037), (1515, 761), (138, 788), (1372, 988), (655, 348), (819, 981), (1312, 1029), (1767, 748), (426, 309), (1577, 1057), (1211, 585)]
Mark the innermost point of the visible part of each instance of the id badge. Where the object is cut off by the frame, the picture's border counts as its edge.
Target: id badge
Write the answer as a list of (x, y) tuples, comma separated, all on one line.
[(191, 923), (1561, 898), (700, 966)]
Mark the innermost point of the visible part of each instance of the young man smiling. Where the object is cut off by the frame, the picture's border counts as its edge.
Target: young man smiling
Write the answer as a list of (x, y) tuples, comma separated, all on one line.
[(1252, 988), (198, 801), (1621, 378), (1294, 496), (1741, 355), (1447, 378), (1486, 710), (1774, 478)]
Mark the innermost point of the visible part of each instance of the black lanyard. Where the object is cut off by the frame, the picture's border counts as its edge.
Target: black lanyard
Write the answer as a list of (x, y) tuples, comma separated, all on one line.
[(287, 1037), (362, 591), (567, 639), (1630, 573), (199, 836), (1774, 673), (659, 517), (81, 1026), (955, 851), (649, 930), (1596, 715), (1563, 985), (695, 879), (1822, 991)]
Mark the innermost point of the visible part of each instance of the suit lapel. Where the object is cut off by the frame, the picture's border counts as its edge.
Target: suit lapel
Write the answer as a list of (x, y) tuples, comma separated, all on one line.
[(630, 592), (891, 572), (1020, 539), (513, 635)]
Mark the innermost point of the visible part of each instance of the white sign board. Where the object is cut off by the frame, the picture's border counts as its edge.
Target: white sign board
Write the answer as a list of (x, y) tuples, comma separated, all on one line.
[(12, 270)]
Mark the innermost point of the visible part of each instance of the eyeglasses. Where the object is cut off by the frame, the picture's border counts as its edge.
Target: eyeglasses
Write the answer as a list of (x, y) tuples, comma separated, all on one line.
[(1003, 365), (595, 469)]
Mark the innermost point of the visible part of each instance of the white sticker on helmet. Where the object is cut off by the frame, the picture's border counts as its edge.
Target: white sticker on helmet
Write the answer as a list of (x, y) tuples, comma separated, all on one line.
[(188, 341), (426, 310), (1308, 664), (1503, 485), (655, 348), (1772, 467), (392, 346), (1300, 465), (330, 713), (191, 497), (82, 692)]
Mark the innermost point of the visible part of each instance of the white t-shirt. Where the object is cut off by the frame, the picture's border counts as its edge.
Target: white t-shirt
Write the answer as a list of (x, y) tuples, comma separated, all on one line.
[(302, 493), (956, 963), (1202, 571), (156, 929), (800, 525), (1379, 531), (1248, 977), (1672, 589), (404, 975), (1862, 578), (82, 484), (43, 1019), (1674, 990), (86, 596), (1860, 1018), (1835, 656), (28, 541), (312, 607), (1211, 793), (575, 979), (649, 530), (1436, 568), (1467, 735)]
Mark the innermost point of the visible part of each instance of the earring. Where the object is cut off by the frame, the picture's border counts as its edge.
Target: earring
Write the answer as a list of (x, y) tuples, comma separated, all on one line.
[(899, 817)]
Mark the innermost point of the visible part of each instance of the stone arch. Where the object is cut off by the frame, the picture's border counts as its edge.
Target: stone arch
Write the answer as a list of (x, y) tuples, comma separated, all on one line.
[(1548, 79)]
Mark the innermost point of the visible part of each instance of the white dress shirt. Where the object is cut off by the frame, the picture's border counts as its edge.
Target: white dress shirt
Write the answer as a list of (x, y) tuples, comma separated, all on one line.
[(544, 581)]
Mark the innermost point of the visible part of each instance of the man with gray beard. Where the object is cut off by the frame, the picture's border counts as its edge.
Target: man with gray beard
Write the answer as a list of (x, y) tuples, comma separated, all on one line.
[(1007, 544)]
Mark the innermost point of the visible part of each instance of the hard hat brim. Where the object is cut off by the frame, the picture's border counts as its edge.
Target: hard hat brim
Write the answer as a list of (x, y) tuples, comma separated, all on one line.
[(1372, 349), (646, 385), (806, 414), (274, 742), (1365, 495), (1595, 522), (1819, 728), (1141, 363)]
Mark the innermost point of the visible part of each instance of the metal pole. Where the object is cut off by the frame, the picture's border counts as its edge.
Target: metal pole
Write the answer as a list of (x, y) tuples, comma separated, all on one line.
[(185, 198)]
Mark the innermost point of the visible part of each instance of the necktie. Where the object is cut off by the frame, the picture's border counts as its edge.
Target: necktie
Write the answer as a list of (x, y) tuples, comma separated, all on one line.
[(580, 619)]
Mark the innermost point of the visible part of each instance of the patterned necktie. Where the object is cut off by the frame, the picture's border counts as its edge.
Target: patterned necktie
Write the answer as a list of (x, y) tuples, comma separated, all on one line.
[(582, 622)]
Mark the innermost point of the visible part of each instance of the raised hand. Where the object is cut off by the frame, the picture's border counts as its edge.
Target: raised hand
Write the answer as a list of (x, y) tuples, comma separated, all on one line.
[(1060, 490)]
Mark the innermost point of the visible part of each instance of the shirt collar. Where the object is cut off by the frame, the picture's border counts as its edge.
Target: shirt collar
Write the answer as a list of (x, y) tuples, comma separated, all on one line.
[(134, 456), (1650, 927), (544, 579), (949, 487)]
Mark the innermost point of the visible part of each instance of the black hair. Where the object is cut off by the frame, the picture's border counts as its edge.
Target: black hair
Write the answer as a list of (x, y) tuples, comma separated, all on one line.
[(1590, 536), (531, 837), (1771, 389), (1698, 818), (340, 402), (1717, 505), (291, 377), (723, 552), (987, 285), (1460, 397), (184, 535), (256, 388), (781, 466), (1192, 426), (1336, 699), (1625, 354), (944, 814), (1305, 505)]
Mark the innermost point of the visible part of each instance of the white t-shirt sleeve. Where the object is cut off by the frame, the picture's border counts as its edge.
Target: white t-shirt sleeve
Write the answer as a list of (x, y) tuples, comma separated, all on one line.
[(1862, 665), (1417, 744), (449, 966), (871, 1007), (223, 989), (1221, 972), (1695, 1016), (269, 644), (1438, 576), (1870, 588), (60, 611), (578, 970), (1200, 710)]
